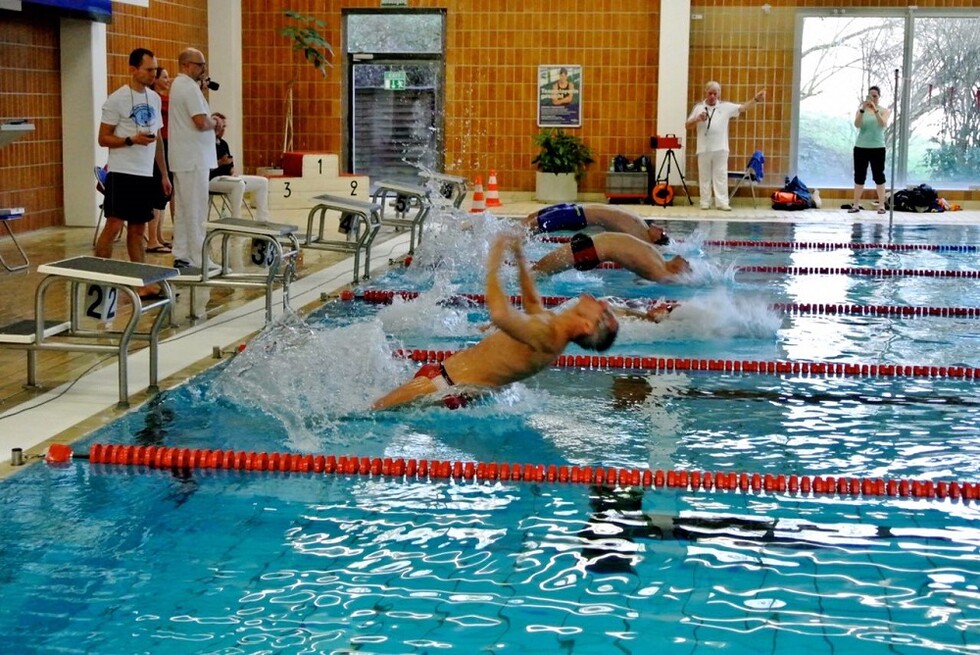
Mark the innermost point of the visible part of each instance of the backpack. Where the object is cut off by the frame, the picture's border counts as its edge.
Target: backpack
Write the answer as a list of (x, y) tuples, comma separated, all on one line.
[(922, 198), (788, 201), (793, 196)]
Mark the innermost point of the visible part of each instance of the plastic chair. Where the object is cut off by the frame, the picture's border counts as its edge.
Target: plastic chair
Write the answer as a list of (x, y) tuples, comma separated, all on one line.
[(752, 175), (100, 175)]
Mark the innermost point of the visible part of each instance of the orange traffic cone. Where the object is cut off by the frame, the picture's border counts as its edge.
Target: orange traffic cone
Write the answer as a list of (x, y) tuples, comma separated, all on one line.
[(479, 202), (493, 193)]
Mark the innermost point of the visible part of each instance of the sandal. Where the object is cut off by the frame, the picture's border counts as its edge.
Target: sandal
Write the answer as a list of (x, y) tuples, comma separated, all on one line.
[(854, 209), (162, 249), (882, 210)]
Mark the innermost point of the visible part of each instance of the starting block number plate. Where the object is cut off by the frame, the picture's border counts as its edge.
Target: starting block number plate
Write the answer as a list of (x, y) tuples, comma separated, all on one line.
[(101, 302)]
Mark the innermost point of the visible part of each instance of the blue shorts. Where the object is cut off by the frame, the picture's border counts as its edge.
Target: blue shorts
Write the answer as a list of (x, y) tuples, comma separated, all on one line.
[(565, 216)]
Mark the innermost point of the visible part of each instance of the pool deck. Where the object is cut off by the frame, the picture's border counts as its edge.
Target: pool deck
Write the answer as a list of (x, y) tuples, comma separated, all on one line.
[(86, 390)]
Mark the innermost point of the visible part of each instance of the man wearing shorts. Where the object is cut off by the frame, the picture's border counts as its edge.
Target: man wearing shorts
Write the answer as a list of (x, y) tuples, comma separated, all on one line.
[(586, 252), (574, 217), (524, 343), (130, 127)]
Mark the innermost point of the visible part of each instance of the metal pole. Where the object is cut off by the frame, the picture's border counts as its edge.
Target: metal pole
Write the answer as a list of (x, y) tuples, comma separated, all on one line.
[(891, 196)]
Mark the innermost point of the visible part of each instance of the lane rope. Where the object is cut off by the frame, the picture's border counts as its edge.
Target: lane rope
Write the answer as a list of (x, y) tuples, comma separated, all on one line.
[(434, 470), (387, 297), (817, 245), (760, 367)]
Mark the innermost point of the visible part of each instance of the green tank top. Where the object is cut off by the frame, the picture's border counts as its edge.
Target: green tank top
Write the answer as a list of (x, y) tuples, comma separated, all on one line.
[(871, 134)]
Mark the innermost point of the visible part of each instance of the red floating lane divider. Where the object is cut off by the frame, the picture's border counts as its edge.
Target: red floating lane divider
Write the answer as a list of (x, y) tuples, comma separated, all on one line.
[(161, 457), (653, 364), (385, 297)]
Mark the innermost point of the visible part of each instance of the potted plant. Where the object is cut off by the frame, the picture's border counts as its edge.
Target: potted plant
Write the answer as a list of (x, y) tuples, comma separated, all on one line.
[(305, 37), (561, 163)]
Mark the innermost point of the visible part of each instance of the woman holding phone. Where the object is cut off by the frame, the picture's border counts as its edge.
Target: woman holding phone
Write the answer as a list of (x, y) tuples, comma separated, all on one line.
[(870, 119)]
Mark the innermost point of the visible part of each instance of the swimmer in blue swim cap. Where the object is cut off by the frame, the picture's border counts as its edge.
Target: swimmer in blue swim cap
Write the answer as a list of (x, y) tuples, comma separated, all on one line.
[(574, 217)]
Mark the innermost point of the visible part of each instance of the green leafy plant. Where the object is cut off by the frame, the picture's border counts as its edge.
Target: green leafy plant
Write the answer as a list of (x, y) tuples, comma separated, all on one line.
[(561, 152), (306, 38)]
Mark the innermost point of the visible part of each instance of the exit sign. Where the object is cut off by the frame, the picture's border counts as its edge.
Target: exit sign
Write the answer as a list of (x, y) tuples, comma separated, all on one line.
[(395, 80)]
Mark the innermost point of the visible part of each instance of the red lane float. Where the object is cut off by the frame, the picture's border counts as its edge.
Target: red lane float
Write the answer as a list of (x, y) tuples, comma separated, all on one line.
[(816, 245), (762, 367), (386, 297), (162, 457)]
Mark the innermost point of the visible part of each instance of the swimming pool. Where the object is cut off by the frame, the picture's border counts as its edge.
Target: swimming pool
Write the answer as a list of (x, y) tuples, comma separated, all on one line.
[(100, 558)]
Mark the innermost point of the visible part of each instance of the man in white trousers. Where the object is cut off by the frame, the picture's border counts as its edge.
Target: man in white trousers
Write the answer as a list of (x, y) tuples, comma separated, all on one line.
[(711, 117)]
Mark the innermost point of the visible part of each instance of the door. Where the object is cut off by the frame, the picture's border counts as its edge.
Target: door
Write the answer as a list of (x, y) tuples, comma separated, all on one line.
[(394, 99)]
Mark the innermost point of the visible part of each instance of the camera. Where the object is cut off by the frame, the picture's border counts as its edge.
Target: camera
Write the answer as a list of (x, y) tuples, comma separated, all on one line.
[(212, 85)]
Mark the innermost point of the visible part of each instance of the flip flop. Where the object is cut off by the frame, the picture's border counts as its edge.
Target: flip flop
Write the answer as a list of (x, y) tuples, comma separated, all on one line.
[(162, 250)]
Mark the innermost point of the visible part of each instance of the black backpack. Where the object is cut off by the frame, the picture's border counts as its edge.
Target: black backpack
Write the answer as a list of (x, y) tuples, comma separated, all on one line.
[(921, 198)]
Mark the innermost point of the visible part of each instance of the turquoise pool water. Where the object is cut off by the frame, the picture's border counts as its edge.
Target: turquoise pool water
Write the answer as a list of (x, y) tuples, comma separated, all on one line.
[(121, 560)]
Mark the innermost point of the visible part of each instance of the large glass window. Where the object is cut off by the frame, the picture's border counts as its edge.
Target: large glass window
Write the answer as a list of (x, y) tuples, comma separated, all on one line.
[(937, 117)]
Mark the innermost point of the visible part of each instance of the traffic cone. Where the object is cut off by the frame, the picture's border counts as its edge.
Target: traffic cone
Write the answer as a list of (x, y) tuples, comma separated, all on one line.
[(493, 193), (479, 202)]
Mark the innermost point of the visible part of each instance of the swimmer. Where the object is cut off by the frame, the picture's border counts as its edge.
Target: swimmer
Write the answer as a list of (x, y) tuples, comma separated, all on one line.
[(569, 216), (655, 312), (525, 342), (586, 252)]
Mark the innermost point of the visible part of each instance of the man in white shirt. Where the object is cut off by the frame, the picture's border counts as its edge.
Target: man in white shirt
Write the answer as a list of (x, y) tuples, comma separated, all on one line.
[(711, 117), (129, 128), (224, 178), (192, 156)]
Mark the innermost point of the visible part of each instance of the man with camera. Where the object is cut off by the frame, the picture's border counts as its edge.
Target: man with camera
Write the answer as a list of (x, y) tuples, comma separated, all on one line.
[(192, 156)]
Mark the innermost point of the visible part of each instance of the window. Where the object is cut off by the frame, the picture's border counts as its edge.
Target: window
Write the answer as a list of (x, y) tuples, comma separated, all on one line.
[(937, 120)]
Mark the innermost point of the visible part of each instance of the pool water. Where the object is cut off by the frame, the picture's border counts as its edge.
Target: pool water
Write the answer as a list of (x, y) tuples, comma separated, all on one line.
[(97, 558)]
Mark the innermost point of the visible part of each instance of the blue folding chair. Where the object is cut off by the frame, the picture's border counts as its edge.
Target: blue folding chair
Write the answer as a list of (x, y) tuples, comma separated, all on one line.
[(752, 175)]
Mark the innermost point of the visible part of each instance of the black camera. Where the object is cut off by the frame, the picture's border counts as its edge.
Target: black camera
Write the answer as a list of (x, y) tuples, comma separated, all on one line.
[(212, 85)]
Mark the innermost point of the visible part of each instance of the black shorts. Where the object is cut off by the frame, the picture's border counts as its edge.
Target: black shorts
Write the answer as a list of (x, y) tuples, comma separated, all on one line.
[(130, 197), (160, 199)]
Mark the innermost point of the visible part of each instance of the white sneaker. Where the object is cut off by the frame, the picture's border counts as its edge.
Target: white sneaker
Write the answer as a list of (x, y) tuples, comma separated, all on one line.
[(705, 206), (817, 201), (724, 208)]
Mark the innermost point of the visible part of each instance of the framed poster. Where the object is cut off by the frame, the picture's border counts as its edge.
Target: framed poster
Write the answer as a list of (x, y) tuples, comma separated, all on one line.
[(559, 96)]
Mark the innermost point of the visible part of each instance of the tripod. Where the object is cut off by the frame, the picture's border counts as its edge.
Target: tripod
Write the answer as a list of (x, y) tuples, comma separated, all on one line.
[(666, 163)]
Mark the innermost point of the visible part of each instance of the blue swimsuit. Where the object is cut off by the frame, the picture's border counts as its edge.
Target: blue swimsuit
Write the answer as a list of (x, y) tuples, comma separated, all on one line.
[(565, 216)]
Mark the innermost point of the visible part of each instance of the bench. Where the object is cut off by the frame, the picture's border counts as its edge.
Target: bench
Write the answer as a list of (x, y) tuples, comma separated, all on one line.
[(274, 246), (363, 221), (101, 280), (451, 187), (410, 207)]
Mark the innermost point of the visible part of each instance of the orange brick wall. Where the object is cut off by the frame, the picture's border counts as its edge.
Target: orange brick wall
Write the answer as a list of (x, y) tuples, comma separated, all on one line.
[(493, 50), (30, 81), (30, 168)]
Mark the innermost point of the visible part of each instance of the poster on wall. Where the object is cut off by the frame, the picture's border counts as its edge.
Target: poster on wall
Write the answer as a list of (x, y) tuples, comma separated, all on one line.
[(559, 96)]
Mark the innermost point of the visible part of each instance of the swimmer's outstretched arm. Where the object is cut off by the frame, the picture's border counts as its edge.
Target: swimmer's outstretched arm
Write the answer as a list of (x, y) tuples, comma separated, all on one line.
[(520, 325)]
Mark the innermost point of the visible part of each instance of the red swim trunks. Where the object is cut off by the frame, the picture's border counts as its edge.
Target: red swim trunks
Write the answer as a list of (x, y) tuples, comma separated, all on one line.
[(442, 381)]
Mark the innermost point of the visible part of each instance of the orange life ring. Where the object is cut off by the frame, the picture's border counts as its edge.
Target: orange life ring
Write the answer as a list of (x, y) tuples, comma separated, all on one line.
[(662, 194)]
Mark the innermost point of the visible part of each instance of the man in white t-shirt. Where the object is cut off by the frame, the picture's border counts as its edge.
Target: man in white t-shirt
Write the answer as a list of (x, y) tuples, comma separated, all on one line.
[(192, 156), (225, 178), (711, 117), (129, 128)]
